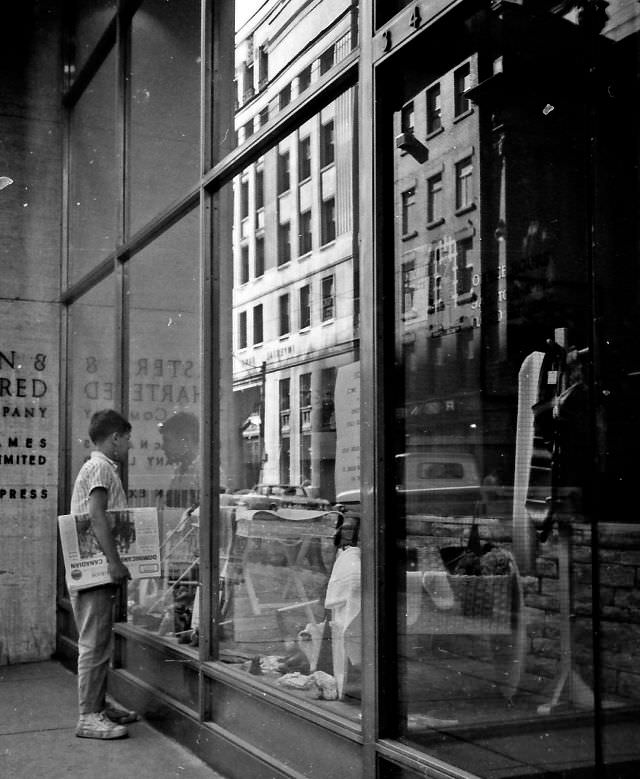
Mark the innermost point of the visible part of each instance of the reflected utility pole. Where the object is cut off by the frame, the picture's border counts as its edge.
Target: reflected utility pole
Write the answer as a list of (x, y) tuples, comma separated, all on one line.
[(261, 411)]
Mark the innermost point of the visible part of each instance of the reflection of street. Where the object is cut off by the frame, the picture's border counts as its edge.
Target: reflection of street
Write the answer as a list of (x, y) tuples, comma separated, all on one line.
[(452, 687), (284, 598)]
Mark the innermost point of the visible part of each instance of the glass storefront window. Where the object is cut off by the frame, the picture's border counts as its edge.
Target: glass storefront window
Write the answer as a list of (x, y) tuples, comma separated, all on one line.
[(505, 228), (92, 375), (289, 557), (164, 100), (512, 340), (93, 173), (165, 413)]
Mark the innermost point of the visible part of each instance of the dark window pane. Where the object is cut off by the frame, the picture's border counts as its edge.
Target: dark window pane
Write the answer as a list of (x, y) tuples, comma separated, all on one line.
[(327, 144), (283, 172), (284, 98), (461, 82), (328, 220), (93, 174), (164, 86), (434, 109), (327, 60), (244, 264), (304, 158), (305, 306), (258, 333), (304, 79), (306, 241), (259, 267), (242, 330), (328, 299), (435, 199), (284, 314), (284, 243), (407, 118)]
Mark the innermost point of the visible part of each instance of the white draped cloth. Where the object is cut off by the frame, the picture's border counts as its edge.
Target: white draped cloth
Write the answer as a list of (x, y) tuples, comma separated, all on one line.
[(344, 598)]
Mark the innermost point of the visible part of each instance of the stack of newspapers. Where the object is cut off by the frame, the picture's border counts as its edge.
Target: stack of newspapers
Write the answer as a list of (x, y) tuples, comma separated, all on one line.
[(135, 532)]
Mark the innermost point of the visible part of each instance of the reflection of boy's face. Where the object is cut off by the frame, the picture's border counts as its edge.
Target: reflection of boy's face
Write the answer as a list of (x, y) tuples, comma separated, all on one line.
[(121, 443), (177, 448)]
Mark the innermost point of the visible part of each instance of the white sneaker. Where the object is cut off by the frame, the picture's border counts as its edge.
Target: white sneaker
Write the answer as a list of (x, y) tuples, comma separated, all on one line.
[(96, 725)]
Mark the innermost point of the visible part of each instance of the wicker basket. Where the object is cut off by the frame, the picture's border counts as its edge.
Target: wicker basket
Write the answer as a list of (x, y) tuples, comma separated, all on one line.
[(482, 596), (481, 606)]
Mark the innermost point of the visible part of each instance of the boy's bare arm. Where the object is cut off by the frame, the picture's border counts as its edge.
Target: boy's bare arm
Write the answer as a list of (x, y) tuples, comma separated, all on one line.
[(102, 531)]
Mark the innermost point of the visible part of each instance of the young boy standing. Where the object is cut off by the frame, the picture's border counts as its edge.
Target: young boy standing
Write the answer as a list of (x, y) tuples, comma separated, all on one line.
[(98, 488)]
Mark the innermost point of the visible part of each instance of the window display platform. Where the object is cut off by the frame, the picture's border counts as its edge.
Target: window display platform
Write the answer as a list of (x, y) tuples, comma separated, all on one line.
[(242, 725)]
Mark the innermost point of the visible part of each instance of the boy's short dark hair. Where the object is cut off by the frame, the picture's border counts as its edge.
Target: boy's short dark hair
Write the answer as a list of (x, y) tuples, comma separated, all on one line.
[(104, 423)]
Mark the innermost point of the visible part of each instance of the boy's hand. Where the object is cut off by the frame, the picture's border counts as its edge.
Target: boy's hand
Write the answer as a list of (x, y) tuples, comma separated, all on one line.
[(118, 572)]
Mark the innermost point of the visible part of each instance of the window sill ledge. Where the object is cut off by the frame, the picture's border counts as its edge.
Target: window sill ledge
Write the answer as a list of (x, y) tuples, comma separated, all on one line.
[(463, 115)]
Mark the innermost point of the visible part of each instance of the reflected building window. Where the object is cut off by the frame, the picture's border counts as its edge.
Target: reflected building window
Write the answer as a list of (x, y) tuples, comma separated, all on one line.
[(464, 184), (328, 298), (306, 238), (284, 181), (464, 261), (283, 307), (327, 389), (435, 199), (408, 118), (408, 287), (259, 259), (258, 333), (263, 67), (327, 59), (304, 158), (244, 198), (328, 224), (304, 79), (327, 144), (434, 109), (284, 243), (284, 98), (248, 90), (244, 264), (242, 330), (259, 188), (305, 306), (461, 83), (408, 211)]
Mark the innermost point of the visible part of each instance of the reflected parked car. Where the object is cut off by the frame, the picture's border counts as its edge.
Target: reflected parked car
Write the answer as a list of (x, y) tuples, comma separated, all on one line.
[(276, 496), (438, 482)]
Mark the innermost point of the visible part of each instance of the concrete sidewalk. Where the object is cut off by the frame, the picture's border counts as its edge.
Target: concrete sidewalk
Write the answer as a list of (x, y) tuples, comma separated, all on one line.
[(38, 715)]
